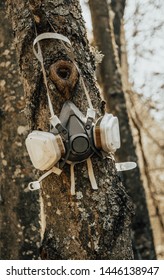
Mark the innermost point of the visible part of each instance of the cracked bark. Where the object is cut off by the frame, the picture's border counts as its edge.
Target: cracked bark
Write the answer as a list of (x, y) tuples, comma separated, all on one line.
[(92, 224), (18, 210), (110, 78)]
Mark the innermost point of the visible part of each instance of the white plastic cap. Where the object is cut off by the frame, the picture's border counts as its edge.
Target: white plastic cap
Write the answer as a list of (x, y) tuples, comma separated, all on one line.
[(123, 166), (33, 186), (110, 133), (43, 149), (54, 120), (91, 113)]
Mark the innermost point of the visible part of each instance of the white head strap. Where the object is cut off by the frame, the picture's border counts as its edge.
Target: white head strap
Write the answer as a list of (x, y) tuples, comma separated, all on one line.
[(39, 56), (90, 174), (35, 185)]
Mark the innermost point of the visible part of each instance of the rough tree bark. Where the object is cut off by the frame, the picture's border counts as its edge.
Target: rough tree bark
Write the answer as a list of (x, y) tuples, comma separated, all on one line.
[(110, 79), (91, 224), (19, 213)]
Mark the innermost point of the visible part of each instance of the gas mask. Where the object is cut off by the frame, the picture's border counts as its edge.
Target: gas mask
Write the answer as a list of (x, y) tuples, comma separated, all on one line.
[(73, 137)]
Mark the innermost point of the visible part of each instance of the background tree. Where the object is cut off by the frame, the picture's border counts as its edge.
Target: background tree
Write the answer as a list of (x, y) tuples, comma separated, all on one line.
[(19, 215), (146, 25), (108, 36), (92, 224)]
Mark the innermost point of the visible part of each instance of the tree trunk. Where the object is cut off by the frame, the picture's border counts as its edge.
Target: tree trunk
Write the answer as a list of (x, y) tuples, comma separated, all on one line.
[(19, 236), (118, 8), (147, 135), (91, 224), (112, 90)]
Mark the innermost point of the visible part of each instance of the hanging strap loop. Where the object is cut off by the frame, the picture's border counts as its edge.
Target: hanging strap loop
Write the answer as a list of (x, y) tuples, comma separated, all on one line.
[(47, 35), (72, 171), (91, 175), (39, 56), (35, 185)]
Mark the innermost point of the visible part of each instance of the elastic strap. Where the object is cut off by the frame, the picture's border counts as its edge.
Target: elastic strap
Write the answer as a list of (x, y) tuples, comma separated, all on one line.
[(47, 35), (124, 166), (86, 93), (91, 175), (72, 165), (39, 56), (35, 185)]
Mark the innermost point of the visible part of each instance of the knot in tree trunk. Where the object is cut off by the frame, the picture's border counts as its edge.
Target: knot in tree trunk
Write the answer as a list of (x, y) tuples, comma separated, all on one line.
[(64, 75)]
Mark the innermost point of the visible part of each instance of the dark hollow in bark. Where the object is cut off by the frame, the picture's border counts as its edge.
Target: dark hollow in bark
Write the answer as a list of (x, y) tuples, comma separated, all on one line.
[(64, 75)]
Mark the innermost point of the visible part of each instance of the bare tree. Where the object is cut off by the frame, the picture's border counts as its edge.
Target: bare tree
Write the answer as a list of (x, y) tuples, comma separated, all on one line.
[(19, 236), (106, 34), (147, 133)]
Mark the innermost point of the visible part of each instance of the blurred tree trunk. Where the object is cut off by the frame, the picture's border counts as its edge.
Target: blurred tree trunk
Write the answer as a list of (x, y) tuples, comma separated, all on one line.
[(148, 136), (118, 8), (19, 236), (106, 34), (92, 224)]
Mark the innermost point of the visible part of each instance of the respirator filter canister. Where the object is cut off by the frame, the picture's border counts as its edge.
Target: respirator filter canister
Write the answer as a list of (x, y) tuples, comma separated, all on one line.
[(45, 149), (106, 133)]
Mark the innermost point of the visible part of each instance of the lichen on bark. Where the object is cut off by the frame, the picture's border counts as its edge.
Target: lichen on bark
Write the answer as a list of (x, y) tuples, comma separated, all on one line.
[(91, 224)]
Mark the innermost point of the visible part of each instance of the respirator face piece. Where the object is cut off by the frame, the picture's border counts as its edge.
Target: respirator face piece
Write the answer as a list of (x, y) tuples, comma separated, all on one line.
[(79, 144), (82, 139)]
